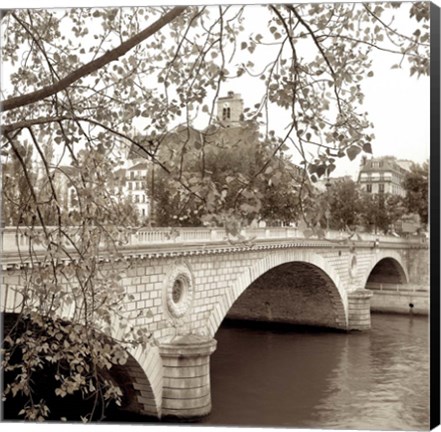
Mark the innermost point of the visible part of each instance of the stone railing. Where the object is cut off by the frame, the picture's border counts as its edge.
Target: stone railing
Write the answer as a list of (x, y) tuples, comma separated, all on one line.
[(388, 287), (188, 235), (15, 239)]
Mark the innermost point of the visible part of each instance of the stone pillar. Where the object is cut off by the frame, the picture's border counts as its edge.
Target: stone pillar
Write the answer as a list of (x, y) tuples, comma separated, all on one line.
[(186, 375), (359, 310)]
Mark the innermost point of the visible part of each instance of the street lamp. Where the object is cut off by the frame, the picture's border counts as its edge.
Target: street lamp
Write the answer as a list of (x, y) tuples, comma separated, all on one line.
[(328, 205)]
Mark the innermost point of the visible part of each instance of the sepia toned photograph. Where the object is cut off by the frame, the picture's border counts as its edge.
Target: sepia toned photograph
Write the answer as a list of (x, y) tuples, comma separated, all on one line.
[(219, 214)]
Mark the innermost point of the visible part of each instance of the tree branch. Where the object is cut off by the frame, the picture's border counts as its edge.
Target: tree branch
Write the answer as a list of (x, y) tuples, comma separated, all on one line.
[(87, 69)]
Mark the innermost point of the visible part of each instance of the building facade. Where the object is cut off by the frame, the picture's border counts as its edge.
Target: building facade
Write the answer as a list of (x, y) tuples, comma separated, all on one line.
[(383, 175), (136, 188), (230, 109)]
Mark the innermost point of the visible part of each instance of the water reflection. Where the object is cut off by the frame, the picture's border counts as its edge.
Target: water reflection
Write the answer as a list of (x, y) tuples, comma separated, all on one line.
[(284, 377)]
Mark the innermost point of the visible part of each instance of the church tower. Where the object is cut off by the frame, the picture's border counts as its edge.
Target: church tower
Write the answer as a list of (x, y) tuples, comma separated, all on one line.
[(230, 109)]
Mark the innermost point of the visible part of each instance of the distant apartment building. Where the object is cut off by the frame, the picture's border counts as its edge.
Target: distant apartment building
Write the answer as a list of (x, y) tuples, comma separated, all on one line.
[(136, 188), (383, 175)]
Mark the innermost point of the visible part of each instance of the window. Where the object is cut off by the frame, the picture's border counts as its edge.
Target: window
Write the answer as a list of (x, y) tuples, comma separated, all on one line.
[(226, 112), (137, 198), (132, 175), (381, 188), (130, 186), (73, 200), (369, 188)]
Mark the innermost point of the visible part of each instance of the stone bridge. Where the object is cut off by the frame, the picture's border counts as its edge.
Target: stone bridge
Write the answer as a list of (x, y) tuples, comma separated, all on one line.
[(191, 279)]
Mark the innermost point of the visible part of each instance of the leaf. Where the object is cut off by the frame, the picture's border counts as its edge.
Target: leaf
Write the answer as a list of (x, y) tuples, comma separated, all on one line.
[(367, 148), (276, 178), (320, 233), (352, 152), (269, 169), (308, 233), (321, 169)]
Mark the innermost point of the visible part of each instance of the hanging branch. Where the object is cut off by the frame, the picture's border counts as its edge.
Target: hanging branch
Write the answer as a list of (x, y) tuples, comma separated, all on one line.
[(87, 69)]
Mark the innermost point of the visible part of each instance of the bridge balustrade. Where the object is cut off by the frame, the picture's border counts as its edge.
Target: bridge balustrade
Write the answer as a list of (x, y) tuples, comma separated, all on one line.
[(374, 286), (14, 239)]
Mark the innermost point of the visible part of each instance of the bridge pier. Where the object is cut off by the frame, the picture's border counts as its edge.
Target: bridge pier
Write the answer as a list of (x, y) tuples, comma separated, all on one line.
[(186, 375), (359, 310)]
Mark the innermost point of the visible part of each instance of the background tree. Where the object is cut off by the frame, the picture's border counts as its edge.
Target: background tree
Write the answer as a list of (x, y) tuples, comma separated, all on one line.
[(343, 202), (224, 168), (16, 194), (93, 81), (285, 193), (379, 212), (416, 184)]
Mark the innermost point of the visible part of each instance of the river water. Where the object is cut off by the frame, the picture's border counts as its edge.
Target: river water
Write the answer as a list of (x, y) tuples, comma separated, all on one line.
[(274, 375), (290, 377)]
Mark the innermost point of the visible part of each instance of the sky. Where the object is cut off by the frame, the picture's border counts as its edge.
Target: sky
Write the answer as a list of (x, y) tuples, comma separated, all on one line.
[(398, 106)]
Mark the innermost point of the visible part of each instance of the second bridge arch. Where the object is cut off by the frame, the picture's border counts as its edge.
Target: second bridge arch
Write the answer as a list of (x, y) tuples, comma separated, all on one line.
[(295, 292)]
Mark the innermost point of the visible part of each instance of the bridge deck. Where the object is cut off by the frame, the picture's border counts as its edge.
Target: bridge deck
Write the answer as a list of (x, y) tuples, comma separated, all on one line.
[(20, 244)]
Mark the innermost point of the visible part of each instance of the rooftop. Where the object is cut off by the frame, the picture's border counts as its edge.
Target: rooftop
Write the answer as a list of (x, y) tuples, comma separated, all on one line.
[(385, 163), (140, 166)]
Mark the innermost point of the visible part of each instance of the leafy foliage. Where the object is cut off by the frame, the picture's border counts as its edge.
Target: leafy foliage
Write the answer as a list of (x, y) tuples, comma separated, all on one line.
[(16, 196), (344, 203), (223, 166), (416, 185), (380, 211)]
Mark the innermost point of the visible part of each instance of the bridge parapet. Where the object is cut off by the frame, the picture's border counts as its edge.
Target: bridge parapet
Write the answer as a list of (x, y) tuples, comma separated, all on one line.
[(20, 240)]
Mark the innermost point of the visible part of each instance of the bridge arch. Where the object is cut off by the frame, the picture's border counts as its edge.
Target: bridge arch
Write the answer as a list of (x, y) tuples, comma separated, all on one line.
[(286, 261), (386, 267), (140, 378)]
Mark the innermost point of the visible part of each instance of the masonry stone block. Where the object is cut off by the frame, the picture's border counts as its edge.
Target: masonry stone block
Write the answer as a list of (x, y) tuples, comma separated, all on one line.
[(189, 382)]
